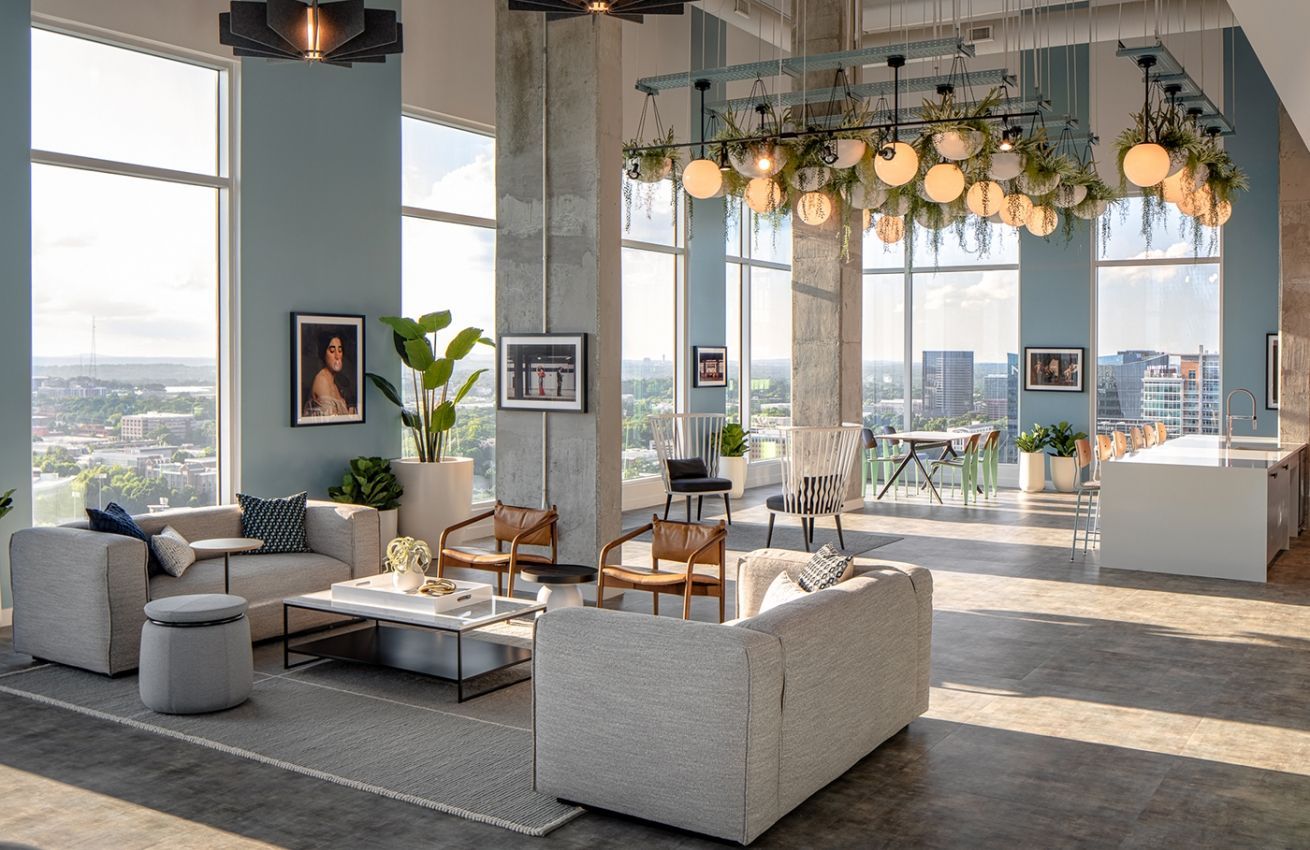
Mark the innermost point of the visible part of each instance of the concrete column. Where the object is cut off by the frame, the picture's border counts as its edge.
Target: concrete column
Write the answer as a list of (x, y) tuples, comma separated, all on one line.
[(827, 289), (562, 79), (1294, 321)]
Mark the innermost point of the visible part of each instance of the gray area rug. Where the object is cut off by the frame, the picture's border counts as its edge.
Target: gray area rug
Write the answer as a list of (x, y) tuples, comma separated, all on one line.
[(747, 536), (386, 732)]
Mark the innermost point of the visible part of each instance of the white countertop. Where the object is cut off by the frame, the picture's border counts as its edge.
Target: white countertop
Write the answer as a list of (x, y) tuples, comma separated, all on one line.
[(1209, 451)]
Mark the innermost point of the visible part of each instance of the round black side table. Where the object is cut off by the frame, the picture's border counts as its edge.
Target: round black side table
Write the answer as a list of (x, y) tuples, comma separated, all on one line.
[(559, 583)]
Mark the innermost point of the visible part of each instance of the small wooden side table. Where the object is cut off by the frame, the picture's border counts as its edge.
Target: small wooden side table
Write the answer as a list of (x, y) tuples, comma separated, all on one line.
[(225, 546)]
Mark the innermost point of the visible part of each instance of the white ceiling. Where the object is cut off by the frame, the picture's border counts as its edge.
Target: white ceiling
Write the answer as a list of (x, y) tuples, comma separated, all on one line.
[(1277, 31)]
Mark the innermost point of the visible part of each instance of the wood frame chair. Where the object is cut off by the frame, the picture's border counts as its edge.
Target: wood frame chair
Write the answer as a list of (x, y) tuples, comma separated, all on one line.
[(513, 525), (686, 542)]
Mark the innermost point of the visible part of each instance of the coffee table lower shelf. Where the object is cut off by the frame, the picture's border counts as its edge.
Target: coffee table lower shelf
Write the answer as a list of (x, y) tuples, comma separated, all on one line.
[(440, 654)]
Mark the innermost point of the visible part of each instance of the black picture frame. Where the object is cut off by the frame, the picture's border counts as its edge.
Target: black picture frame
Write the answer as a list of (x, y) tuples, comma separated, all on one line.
[(1273, 366), (709, 366), (1053, 375), (533, 372), (311, 333)]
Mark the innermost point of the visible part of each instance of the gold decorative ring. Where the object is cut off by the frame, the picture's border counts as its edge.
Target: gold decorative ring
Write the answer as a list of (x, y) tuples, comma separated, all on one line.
[(437, 587)]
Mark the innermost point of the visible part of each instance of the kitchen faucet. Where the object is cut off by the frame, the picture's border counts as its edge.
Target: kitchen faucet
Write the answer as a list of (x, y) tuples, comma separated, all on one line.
[(1229, 417)]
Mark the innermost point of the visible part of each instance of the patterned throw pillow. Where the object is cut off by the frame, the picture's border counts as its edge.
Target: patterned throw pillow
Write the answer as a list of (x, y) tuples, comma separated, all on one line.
[(826, 568), (783, 589), (174, 552), (115, 520), (280, 523)]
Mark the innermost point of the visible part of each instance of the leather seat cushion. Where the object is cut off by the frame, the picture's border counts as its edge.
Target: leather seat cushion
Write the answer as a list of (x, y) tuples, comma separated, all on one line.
[(645, 578), (700, 485), (487, 557)]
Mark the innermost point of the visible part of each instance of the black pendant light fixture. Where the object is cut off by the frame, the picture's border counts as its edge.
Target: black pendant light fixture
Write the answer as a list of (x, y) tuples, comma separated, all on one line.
[(625, 10), (338, 33)]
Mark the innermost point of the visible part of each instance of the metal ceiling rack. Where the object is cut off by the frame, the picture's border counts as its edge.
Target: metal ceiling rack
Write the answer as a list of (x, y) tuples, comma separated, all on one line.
[(795, 66), (982, 79), (1168, 73)]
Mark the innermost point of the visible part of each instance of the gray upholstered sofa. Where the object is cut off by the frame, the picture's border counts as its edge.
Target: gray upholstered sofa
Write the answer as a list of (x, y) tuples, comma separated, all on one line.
[(723, 729), (79, 595)]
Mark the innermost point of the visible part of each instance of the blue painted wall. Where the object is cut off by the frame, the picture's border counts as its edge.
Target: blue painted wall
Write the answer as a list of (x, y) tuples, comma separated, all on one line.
[(320, 232), (1055, 280), (706, 307), (15, 273), (1250, 238)]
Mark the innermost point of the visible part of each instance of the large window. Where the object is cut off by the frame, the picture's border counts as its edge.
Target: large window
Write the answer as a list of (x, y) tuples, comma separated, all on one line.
[(1158, 320), (129, 192), (449, 263), (652, 266), (758, 297), (962, 326)]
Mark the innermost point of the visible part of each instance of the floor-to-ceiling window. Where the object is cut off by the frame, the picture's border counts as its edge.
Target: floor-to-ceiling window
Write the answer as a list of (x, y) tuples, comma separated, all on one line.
[(1158, 328), (449, 263), (962, 329), (653, 259), (758, 295), (130, 206)]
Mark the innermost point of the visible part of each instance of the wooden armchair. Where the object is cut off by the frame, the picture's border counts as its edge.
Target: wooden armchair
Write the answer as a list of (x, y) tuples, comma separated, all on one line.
[(513, 525), (687, 543)]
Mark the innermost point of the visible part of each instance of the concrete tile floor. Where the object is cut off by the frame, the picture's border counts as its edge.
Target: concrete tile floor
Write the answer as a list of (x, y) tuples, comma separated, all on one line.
[(1072, 707)]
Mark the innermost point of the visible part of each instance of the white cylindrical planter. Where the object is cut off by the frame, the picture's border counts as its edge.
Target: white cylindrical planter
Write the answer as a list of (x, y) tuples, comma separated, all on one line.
[(1032, 471), (734, 469), (388, 526), (437, 495), (1064, 473)]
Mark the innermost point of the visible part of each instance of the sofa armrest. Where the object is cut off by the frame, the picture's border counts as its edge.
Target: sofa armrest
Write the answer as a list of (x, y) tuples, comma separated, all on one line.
[(79, 597), (349, 533), (670, 720)]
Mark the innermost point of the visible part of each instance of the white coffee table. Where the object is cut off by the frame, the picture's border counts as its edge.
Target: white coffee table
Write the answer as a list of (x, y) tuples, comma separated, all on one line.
[(428, 644)]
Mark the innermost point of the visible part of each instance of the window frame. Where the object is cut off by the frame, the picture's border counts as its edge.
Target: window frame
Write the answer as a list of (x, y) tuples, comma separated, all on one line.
[(227, 142)]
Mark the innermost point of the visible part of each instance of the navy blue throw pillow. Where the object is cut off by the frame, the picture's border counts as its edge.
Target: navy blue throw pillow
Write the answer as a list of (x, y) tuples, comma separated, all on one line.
[(280, 523), (115, 520)]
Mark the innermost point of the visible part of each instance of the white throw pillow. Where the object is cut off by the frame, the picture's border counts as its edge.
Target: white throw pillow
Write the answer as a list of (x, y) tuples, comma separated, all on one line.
[(783, 589), (173, 551)]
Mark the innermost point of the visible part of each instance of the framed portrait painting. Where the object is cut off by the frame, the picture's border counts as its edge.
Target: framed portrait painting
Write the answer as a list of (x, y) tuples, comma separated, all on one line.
[(710, 366), (1272, 365), (327, 369), (542, 372), (1053, 369)]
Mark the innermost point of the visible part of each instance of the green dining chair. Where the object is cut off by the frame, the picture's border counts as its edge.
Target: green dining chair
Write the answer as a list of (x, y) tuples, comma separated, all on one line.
[(965, 468), (989, 462)]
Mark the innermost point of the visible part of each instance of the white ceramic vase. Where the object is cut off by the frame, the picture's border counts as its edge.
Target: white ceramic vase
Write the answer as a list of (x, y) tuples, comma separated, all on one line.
[(437, 495), (1032, 471), (734, 469), (408, 580), (1064, 473), (387, 529)]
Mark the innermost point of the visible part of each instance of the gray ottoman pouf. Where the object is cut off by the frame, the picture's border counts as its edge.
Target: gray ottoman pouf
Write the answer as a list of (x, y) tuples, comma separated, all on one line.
[(195, 654)]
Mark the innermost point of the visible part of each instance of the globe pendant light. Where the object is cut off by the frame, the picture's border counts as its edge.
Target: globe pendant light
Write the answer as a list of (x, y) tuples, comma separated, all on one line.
[(985, 198), (702, 178), (1146, 162), (896, 164), (1042, 221), (1006, 165), (1015, 209), (849, 152), (814, 208), (890, 229), (1171, 188), (1218, 216), (763, 195), (1195, 203), (943, 183)]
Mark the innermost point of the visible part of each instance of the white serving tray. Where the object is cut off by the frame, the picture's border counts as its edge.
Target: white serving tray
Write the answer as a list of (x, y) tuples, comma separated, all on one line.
[(378, 591)]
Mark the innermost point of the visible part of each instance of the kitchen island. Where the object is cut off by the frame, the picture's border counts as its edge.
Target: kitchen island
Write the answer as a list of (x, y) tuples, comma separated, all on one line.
[(1195, 507)]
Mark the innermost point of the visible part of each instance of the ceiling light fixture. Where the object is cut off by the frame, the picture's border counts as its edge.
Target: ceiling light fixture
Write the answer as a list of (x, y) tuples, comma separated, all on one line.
[(624, 10), (338, 33)]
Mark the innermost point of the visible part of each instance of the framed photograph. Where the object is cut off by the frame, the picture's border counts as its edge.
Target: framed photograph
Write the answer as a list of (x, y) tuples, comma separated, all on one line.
[(1053, 369), (1272, 365), (543, 372), (327, 369), (710, 366)]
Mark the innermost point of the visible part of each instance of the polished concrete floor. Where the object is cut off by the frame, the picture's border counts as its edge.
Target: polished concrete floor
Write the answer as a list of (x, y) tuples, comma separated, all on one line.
[(1071, 707)]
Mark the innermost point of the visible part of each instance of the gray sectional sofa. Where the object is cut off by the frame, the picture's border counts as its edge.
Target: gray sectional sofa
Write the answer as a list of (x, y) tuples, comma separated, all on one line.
[(79, 595), (723, 729)]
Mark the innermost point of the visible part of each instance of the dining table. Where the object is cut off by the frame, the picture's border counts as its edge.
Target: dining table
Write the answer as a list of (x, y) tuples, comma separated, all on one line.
[(915, 442)]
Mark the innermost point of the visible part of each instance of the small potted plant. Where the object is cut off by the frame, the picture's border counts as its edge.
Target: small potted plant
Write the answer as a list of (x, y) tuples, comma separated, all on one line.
[(370, 482), (734, 443), (408, 561), (1063, 443), (1032, 460)]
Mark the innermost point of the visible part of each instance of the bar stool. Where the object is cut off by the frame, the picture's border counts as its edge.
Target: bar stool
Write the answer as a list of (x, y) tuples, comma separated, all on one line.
[(1149, 434), (1120, 444), (1091, 488), (1161, 433), (1138, 441)]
